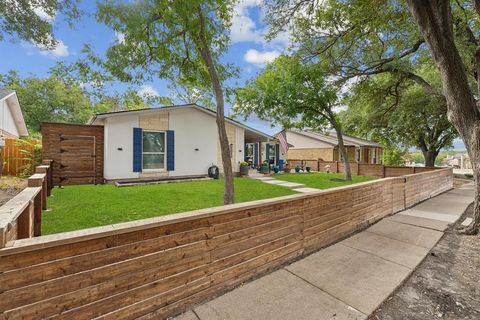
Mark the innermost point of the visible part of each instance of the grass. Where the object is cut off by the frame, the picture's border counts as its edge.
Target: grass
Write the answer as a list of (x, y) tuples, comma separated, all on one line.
[(321, 180), (79, 207)]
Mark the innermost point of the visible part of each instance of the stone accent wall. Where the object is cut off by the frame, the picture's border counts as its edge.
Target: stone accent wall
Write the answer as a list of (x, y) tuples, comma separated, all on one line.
[(231, 134), (154, 121), (325, 154)]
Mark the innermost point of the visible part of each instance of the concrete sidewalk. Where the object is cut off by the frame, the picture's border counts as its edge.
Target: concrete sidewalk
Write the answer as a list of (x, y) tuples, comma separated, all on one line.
[(348, 280), (298, 187)]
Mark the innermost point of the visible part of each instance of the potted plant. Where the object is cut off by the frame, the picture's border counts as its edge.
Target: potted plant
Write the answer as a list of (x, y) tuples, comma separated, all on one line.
[(264, 167), (308, 169), (244, 167), (286, 168), (297, 169)]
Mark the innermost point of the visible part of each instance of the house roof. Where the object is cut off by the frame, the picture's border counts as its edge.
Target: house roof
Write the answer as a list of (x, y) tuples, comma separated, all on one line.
[(14, 104), (250, 130), (331, 138)]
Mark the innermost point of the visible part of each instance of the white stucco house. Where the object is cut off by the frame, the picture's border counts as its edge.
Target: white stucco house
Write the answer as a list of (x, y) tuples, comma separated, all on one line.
[(176, 141), (12, 123)]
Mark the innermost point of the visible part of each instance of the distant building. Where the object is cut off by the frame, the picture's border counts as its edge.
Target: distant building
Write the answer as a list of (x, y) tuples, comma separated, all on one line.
[(309, 145), (458, 161)]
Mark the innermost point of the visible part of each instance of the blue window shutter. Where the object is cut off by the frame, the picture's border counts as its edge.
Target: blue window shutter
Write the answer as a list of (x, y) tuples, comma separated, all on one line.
[(137, 150), (277, 153), (170, 150), (267, 152), (245, 152), (256, 155)]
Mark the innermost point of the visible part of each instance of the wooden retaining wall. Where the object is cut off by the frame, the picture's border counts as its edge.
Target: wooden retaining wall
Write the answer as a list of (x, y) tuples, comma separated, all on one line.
[(21, 216), (158, 267), (363, 169)]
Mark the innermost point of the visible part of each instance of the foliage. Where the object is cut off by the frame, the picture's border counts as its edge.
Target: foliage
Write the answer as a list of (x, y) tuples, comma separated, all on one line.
[(162, 39), (393, 156), (48, 99), (79, 207), (398, 112), (30, 154), (32, 20), (60, 99), (265, 164), (290, 94), (321, 180), (244, 164), (293, 93)]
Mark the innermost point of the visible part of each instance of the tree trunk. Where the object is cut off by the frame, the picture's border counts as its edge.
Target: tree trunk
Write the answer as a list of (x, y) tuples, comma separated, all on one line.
[(228, 195), (430, 157), (434, 19), (343, 151)]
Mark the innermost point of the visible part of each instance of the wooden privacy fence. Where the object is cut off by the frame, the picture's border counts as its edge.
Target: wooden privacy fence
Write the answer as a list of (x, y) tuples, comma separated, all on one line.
[(363, 169), (158, 267), (21, 216), (14, 160)]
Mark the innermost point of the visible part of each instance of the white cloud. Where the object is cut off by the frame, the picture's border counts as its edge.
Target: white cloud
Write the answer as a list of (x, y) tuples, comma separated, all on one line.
[(260, 58), (243, 27), (120, 36), (148, 91), (60, 49), (43, 14)]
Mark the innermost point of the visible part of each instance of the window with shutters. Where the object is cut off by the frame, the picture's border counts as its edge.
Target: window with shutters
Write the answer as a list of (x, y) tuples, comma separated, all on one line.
[(154, 148)]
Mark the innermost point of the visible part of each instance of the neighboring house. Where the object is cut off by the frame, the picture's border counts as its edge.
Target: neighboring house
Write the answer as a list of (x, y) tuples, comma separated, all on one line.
[(12, 123), (458, 161), (176, 141), (309, 145)]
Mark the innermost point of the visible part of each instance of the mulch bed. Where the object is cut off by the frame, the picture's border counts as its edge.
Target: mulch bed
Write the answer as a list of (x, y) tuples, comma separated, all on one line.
[(9, 187), (446, 285)]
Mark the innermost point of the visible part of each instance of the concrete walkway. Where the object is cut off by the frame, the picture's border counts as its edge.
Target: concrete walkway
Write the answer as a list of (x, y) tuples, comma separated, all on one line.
[(299, 187), (348, 280)]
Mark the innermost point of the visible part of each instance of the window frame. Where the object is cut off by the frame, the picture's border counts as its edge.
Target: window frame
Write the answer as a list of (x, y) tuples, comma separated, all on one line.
[(164, 152)]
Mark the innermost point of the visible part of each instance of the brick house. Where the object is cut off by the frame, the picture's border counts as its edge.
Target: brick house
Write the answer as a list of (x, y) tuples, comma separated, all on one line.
[(311, 145)]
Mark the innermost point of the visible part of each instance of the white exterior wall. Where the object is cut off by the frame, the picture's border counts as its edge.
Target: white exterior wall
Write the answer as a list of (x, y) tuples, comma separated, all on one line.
[(193, 130), (300, 141), (240, 148), (7, 122), (119, 134)]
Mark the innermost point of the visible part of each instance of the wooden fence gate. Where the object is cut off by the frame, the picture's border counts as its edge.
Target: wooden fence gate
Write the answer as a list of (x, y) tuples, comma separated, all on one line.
[(77, 159), (76, 151)]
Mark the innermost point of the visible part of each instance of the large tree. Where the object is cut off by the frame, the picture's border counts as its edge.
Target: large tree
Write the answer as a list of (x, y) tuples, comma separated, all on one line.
[(177, 40), (59, 99), (296, 94), (357, 42), (32, 20), (48, 99), (441, 29), (397, 111)]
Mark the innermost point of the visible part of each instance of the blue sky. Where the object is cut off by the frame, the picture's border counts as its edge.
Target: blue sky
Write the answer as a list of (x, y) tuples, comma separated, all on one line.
[(249, 51)]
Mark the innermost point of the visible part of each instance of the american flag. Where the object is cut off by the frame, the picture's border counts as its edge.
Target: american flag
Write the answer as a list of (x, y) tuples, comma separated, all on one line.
[(282, 137)]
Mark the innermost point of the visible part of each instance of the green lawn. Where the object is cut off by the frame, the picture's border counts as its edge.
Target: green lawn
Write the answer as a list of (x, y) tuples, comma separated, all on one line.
[(321, 180), (79, 207)]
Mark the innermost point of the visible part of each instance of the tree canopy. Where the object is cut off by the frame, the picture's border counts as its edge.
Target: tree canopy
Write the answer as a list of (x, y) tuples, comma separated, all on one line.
[(398, 112), (52, 99), (32, 20), (292, 93)]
